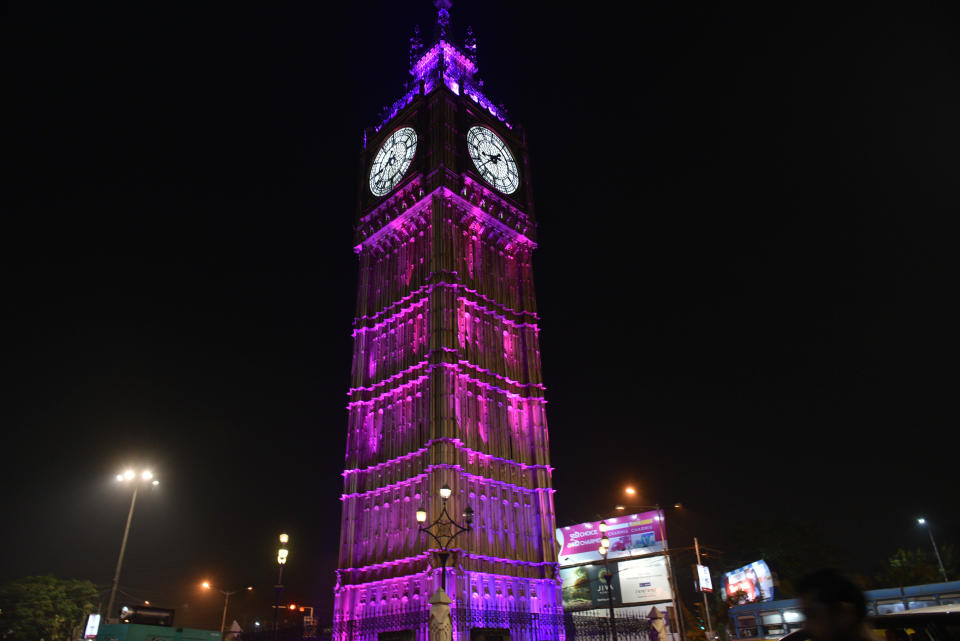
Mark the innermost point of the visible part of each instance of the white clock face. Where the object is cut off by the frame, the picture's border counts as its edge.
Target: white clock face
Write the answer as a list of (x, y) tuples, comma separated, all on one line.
[(392, 161), (493, 160)]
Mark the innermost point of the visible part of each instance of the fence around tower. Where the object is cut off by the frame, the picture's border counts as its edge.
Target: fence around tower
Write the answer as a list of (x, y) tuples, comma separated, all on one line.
[(523, 626)]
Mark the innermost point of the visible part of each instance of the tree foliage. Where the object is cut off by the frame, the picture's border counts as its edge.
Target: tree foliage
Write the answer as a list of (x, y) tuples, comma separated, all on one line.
[(917, 566), (45, 607)]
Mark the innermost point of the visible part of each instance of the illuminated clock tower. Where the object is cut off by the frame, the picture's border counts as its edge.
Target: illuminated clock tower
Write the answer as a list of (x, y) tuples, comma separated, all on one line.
[(446, 385)]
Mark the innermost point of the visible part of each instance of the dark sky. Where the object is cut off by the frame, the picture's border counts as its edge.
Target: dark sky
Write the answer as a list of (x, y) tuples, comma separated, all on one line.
[(745, 273)]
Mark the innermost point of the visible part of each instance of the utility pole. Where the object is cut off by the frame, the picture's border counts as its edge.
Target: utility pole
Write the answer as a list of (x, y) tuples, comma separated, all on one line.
[(706, 606)]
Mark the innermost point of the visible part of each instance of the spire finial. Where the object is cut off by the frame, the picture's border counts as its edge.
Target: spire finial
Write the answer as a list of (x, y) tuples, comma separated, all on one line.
[(443, 16), (470, 44), (416, 45)]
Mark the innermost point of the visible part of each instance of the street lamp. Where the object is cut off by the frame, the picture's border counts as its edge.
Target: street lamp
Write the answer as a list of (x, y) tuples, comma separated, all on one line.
[(127, 476), (226, 601), (282, 554), (444, 540), (936, 550), (631, 491), (604, 548)]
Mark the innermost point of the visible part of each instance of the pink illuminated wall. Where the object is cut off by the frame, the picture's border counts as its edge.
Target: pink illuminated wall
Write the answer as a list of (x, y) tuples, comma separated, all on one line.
[(446, 388)]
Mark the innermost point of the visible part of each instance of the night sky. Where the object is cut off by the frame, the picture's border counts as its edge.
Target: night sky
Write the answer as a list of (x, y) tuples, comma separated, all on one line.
[(745, 276)]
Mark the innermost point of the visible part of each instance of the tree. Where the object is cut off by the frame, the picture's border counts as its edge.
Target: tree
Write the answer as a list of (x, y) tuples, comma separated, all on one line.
[(917, 566), (720, 610), (44, 607)]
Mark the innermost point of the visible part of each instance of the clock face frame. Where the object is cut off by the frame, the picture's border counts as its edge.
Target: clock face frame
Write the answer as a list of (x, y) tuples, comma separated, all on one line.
[(492, 158), (392, 161)]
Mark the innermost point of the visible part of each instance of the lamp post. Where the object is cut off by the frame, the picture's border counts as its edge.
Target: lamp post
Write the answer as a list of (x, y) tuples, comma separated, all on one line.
[(604, 548), (129, 476), (445, 539), (943, 572), (226, 601), (630, 491), (282, 553)]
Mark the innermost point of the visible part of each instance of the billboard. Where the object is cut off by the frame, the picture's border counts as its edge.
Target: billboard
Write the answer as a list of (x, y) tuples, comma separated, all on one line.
[(631, 535), (632, 581), (754, 580), (704, 582), (92, 626)]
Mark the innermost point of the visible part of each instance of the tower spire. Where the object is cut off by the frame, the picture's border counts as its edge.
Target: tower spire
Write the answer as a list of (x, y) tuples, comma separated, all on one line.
[(443, 17), (470, 45), (416, 45)]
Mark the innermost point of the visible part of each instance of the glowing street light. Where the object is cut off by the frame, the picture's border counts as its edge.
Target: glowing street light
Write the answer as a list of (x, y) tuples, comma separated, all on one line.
[(226, 601), (282, 554), (448, 525), (936, 550), (631, 491), (125, 477)]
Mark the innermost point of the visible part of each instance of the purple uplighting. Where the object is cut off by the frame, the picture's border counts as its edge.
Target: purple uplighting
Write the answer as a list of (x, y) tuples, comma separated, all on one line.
[(446, 391)]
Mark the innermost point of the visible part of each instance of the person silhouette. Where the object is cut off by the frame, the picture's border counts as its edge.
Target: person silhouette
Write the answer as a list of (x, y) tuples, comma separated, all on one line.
[(834, 607)]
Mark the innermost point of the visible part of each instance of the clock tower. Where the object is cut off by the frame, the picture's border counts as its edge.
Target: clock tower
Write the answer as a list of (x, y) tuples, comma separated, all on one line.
[(446, 388)]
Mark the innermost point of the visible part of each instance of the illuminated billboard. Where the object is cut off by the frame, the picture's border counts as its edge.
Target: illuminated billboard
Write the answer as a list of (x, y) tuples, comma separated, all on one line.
[(632, 581), (630, 535), (92, 627), (754, 581)]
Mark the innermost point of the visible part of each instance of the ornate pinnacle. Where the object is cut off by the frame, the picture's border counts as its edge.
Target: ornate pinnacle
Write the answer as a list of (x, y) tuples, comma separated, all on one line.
[(416, 45), (470, 44), (443, 17)]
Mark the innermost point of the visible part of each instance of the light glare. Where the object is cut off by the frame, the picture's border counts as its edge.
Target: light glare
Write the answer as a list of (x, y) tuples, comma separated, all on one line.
[(147, 475), (129, 474)]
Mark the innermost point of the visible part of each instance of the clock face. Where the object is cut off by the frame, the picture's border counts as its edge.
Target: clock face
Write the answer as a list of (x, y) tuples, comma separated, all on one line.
[(392, 161), (493, 159)]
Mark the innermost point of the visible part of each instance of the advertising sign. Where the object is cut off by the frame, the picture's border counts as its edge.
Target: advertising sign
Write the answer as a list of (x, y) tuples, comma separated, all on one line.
[(633, 581), (92, 626), (584, 587), (631, 535), (644, 580), (704, 582), (754, 580)]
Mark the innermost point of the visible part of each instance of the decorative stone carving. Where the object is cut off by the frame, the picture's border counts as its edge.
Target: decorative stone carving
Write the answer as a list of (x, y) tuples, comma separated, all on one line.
[(441, 626)]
